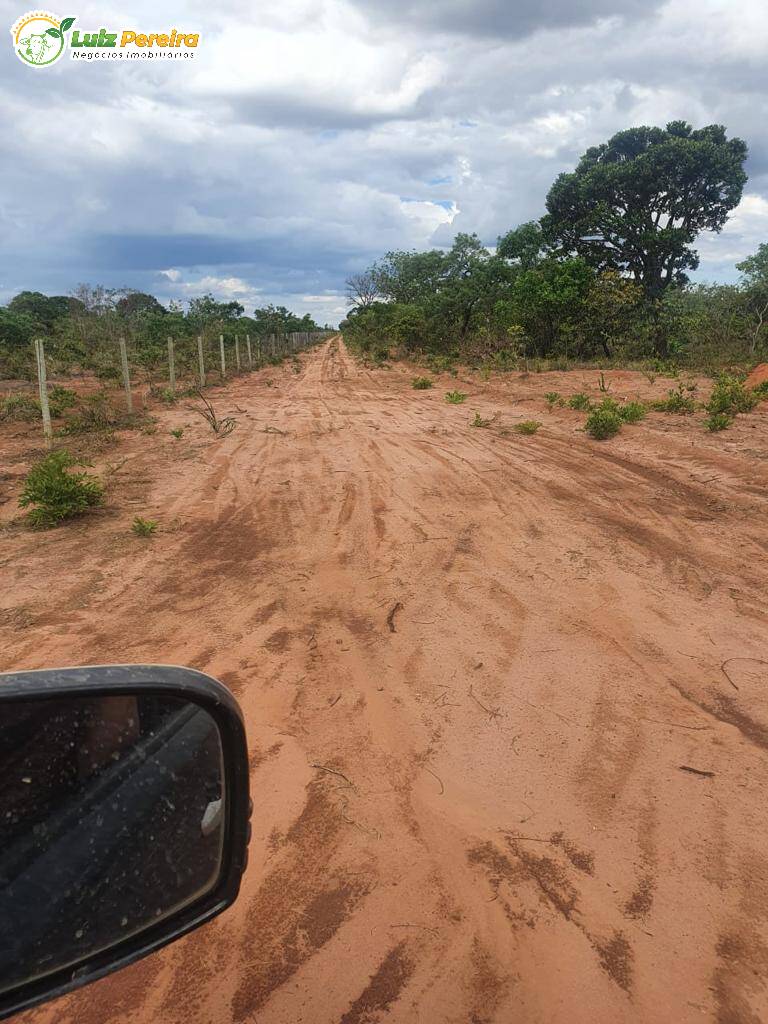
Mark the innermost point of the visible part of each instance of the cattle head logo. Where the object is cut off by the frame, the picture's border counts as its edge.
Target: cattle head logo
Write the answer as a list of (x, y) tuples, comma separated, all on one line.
[(39, 38)]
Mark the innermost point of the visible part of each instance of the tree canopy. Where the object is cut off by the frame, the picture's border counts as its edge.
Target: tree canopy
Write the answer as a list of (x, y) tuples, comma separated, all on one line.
[(637, 202)]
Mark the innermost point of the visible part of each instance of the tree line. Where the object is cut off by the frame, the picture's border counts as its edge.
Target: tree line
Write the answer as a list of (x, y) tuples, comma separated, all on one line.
[(82, 329), (603, 274)]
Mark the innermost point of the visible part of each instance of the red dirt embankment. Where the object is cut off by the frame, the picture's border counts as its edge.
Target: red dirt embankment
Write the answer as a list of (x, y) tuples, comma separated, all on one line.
[(758, 376), (575, 626)]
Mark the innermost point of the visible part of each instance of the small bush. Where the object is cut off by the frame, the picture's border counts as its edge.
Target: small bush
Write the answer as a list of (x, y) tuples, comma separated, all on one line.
[(177, 432), (580, 401), (527, 427), (143, 527), (718, 421), (552, 397), (19, 408), (60, 398), (478, 421), (676, 402), (167, 395), (729, 396), (455, 397), (421, 383), (603, 423), (56, 493), (95, 415), (632, 412), (761, 390)]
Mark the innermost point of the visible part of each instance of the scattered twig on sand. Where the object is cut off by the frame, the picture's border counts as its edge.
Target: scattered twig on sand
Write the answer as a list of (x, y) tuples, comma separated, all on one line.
[(442, 787), (332, 771), (757, 661), (334, 702), (273, 430), (527, 839), (539, 707), (696, 771), (493, 712), (676, 725), (396, 607)]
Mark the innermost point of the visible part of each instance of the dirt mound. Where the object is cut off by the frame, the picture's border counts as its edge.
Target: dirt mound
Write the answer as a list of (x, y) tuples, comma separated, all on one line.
[(758, 376)]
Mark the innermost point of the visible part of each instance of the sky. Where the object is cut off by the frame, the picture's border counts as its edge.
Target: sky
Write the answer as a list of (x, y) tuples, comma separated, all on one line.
[(308, 137)]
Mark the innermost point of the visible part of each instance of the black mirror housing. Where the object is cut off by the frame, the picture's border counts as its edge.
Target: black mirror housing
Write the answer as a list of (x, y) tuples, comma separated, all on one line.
[(154, 770)]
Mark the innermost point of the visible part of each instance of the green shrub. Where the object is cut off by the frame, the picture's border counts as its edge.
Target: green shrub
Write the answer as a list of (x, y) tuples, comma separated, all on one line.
[(19, 408), (761, 390), (56, 493), (455, 397), (177, 432), (729, 396), (632, 412), (580, 401), (478, 421), (167, 395), (718, 421), (60, 398), (144, 527), (603, 423), (95, 415), (676, 402), (421, 383), (527, 427), (552, 397)]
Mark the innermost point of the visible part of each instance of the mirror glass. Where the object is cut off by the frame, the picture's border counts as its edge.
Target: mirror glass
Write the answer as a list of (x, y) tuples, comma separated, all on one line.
[(111, 819)]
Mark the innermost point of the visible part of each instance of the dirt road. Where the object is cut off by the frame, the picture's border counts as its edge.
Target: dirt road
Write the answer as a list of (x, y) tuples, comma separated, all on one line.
[(510, 646)]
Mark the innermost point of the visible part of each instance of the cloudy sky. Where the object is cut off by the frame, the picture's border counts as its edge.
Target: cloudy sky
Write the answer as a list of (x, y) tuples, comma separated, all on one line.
[(307, 137)]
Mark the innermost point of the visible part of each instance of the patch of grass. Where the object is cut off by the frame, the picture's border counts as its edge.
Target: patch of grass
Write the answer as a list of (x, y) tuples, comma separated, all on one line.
[(553, 398), (167, 395), (95, 415), (718, 421), (632, 412), (455, 397), (676, 402), (178, 433), (421, 383), (60, 398), (527, 427), (478, 421), (57, 493), (144, 527), (580, 401), (603, 422), (19, 409), (729, 396), (761, 390)]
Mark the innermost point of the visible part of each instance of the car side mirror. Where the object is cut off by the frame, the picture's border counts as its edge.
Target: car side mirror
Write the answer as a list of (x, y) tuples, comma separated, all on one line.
[(124, 819)]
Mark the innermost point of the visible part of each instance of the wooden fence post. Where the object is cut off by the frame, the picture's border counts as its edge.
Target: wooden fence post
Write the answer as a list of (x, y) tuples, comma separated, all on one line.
[(237, 351), (248, 346), (223, 357), (201, 360), (126, 376), (258, 349), (43, 391), (171, 366)]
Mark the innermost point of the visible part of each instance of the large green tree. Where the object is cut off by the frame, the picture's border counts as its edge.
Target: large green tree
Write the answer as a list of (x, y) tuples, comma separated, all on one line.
[(637, 202)]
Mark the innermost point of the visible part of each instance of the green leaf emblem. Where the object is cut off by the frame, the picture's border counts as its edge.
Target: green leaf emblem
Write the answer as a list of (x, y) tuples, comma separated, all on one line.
[(66, 24)]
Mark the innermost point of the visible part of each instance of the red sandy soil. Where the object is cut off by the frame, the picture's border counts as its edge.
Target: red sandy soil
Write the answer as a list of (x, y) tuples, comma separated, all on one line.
[(574, 622), (758, 376)]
